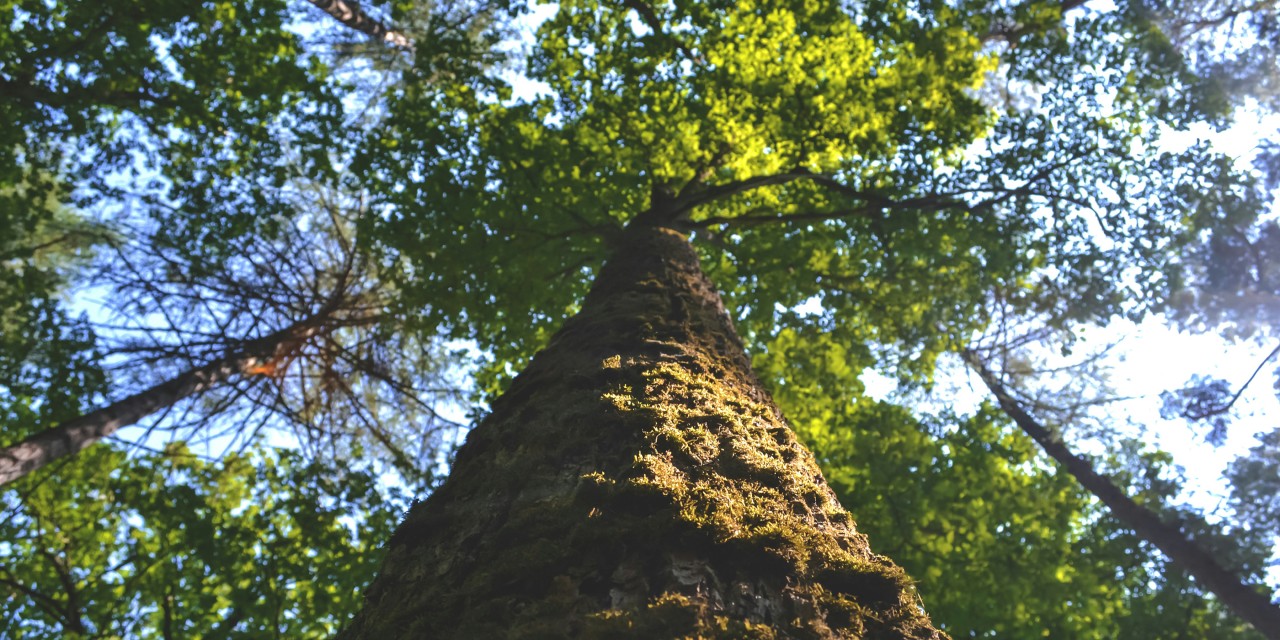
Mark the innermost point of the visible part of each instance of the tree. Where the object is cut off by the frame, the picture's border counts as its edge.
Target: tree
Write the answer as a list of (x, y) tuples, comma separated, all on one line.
[(701, 514), (299, 326), (983, 498), (97, 90), (802, 172), (224, 139), (169, 545), (1248, 602), (807, 155), (222, 288)]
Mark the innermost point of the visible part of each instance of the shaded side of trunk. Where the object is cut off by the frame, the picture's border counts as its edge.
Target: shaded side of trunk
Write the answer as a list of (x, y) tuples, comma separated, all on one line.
[(350, 14), (1248, 602), (76, 434), (637, 481)]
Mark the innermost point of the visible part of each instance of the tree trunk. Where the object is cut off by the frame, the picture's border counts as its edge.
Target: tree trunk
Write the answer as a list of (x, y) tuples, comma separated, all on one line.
[(637, 481), (350, 14), (1246, 601), (76, 434)]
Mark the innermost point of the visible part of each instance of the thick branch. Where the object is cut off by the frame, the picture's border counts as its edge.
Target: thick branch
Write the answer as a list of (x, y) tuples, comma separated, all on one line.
[(1247, 602), (874, 202), (350, 14), (781, 218), (684, 203), (666, 209), (711, 194)]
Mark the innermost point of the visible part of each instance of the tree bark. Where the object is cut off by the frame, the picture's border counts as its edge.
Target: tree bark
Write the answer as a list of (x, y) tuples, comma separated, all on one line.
[(637, 481), (76, 434), (1248, 602), (350, 14)]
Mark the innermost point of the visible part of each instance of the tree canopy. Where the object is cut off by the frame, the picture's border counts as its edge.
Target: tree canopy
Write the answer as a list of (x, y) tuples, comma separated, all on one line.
[(872, 186)]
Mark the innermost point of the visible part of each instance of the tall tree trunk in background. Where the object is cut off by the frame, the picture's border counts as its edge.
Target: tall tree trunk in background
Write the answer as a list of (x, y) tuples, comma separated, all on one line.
[(637, 481), (1251, 604), (75, 435)]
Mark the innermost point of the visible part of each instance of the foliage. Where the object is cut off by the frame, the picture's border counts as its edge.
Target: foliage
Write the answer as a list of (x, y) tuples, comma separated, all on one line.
[(898, 167), (204, 114), (107, 95), (840, 166), (492, 193), (1234, 286), (1255, 480), (1204, 398), (169, 545), (49, 365)]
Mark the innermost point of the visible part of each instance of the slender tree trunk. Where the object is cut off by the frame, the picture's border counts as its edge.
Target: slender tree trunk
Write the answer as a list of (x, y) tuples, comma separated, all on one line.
[(76, 434), (1248, 602), (637, 481), (350, 14)]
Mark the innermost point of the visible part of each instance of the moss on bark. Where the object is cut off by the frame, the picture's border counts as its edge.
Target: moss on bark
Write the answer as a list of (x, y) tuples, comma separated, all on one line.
[(636, 481)]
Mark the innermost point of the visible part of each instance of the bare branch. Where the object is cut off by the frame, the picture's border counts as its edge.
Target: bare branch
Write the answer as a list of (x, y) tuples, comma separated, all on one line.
[(1191, 414)]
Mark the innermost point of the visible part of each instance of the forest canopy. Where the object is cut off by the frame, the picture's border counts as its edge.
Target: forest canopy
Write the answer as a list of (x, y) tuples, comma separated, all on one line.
[(265, 264)]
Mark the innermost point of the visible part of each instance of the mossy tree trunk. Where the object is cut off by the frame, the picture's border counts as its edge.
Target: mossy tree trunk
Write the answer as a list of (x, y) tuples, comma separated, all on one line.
[(637, 481)]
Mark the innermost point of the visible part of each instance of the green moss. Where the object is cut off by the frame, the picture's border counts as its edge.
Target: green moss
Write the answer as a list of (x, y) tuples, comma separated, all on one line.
[(637, 482), (674, 616), (750, 489)]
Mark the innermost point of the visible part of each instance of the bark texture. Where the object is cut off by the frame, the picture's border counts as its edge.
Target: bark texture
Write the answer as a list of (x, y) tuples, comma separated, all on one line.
[(637, 481), (76, 434), (1252, 605)]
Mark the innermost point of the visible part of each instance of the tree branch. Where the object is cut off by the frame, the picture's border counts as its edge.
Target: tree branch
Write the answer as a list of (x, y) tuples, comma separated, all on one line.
[(74, 613), (781, 218), (41, 600), (875, 202), (682, 204), (74, 435), (1011, 33), (651, 19), (350, 14), (1226, 406)]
